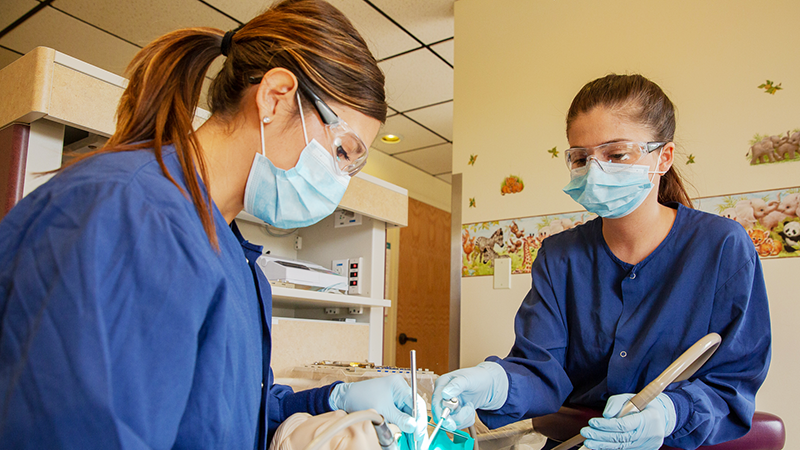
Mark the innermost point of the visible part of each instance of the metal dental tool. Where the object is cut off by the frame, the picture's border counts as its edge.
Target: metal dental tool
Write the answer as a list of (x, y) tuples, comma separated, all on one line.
[(414, 412), (449, 406)]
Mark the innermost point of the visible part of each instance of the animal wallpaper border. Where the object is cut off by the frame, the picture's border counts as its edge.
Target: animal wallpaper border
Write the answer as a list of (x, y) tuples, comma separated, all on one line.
[(771, 218)]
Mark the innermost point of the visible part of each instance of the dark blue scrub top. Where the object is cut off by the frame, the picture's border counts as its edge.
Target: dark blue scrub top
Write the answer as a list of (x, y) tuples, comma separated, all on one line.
[(593, 326), (122, 328)]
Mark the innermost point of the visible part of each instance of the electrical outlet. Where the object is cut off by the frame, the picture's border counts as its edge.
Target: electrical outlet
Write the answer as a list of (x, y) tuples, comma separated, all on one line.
[(356, 310), (344, 218), (331, 310), (340, 266)]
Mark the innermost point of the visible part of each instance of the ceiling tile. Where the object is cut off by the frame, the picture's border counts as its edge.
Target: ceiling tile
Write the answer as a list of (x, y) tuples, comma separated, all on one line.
[(434, 160), (446, 50), (7, 57), (438, 118), (417, 79), (242, 10), (141, 21), (414, 136), (446, 177), (54, 29), (13, 10), (428, 20), (382, 36)]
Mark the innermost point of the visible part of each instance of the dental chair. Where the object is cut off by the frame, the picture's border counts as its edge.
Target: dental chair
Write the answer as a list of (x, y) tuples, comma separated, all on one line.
[(766, 433)]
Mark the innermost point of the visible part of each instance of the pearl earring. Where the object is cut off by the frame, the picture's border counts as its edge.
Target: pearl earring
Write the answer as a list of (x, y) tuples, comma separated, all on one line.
[(266, 120)]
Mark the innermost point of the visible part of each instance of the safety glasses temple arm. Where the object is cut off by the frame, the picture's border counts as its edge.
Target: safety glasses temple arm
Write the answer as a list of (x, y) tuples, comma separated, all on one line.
[(325, 112), (653, 146)]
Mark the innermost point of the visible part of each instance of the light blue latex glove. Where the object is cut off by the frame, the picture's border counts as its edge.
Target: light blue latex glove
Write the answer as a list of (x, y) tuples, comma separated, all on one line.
[(644, 430), (390, 396), (484, 386)]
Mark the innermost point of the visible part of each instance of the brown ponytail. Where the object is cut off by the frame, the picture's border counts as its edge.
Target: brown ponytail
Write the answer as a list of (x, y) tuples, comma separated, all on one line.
[(311, 38), (641, 101)]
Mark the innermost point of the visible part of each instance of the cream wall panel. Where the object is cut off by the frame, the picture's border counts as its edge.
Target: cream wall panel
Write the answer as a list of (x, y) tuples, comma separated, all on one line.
[(520, 64), (296, 342), (780, 394), (69, 105), (420, 185), (26, 86), (365, 197)]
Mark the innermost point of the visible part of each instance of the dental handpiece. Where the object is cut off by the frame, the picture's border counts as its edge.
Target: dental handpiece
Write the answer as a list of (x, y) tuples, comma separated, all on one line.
[(681, 369), (449, 406)]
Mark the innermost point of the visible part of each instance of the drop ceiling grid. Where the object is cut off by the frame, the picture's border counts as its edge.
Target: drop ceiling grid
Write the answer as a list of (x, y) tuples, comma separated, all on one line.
[(433, 160), (54, 29), (419, 31), (13, 10), (142, 21), (413, 136)]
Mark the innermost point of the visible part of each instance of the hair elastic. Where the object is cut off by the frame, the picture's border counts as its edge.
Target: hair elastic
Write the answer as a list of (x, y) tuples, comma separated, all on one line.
[(227, 42)]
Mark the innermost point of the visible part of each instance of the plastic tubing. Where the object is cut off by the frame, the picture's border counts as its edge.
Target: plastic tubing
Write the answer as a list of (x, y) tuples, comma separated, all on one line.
[(385, 437), (681, 369)]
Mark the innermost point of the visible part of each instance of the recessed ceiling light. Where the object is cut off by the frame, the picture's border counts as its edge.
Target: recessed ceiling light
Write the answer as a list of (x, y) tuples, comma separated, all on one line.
[(391, 138)]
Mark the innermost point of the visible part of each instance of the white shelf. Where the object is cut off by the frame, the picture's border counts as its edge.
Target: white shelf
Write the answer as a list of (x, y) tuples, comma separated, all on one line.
[(300, 297)]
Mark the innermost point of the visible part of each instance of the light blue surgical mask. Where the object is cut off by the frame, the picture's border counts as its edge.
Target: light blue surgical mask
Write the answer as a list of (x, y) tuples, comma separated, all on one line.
[(300, 196), (608, 189)]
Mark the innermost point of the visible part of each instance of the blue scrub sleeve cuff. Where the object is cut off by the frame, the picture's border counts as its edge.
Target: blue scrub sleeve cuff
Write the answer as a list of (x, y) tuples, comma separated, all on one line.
[(683, 408), (520, 402), (312, 401)]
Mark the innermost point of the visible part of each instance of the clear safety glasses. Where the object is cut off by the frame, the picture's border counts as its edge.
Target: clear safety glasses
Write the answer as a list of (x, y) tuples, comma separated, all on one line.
[(348, 150), (622, 155)]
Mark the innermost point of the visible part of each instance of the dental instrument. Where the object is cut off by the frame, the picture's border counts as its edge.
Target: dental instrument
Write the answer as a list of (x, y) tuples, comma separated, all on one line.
[(681, 369), (449, 405), (414, 412)]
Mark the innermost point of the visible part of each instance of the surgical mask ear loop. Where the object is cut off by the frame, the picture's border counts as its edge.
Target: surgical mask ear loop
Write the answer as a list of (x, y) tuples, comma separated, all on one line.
[(261, 130), (302, 118), (652, 173)]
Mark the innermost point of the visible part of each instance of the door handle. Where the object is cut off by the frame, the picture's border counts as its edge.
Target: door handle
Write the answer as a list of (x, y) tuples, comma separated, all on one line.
[(403, 339)]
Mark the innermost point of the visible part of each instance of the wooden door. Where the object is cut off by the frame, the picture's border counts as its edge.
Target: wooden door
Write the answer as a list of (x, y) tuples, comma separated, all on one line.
[(423, 297)]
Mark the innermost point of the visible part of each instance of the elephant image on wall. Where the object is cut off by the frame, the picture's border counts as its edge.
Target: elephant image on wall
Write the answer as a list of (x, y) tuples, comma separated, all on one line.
[(786, 147), (770, 149), (763, 148)]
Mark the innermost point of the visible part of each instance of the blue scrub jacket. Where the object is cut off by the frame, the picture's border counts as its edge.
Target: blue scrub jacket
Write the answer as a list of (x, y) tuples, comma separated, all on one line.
[(593, 326), (122, 328)]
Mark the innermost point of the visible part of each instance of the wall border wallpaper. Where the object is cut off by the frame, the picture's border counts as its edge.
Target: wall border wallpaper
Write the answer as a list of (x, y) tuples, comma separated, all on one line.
[(771, 218)]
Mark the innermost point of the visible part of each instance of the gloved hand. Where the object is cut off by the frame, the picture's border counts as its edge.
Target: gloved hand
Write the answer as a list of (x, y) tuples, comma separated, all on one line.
[(390, 396), (644, 430), (484, 386)]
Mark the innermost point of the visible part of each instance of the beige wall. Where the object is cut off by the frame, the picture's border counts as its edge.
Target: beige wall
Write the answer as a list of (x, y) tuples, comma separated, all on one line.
[(421, 186), (521, 62)]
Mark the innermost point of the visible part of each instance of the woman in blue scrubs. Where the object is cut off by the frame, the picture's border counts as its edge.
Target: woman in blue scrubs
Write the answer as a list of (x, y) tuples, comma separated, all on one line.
[(616, 300), (132, 314)]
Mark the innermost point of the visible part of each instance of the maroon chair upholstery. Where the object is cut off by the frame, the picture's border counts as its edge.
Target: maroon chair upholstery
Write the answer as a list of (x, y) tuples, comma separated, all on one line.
[(766, 433), (13, 157)]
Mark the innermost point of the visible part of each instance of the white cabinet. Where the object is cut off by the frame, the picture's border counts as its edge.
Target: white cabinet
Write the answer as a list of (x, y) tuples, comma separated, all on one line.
[(322, 243)]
